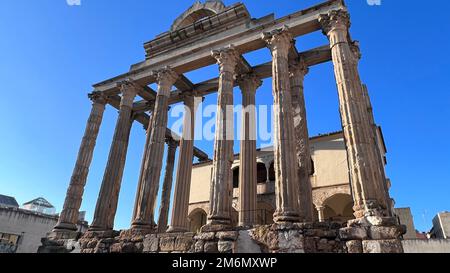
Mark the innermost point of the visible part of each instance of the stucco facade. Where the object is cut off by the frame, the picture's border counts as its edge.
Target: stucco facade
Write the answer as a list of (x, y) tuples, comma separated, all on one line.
[(329, 179)]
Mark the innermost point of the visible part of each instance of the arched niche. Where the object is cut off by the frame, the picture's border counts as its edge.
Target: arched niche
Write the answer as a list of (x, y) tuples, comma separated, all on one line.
[(197, 12)]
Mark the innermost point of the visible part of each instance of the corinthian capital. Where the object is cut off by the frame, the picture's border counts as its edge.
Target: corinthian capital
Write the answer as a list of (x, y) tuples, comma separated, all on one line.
[(279, 40), (298, 67), (248, 82), (166, 77), (129, 90), (334, 20), (98, 97), (227, 58)]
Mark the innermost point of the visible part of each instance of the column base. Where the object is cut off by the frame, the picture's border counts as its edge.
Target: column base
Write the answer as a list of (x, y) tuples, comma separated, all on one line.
[(215, 227), (176, 230), (144, 229), (65, 227), (283, 217)]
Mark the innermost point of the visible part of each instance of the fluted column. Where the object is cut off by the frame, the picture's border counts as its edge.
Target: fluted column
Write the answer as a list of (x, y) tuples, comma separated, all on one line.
[(298, 70), (379, 156), (180, 208), (167, 186), (106, 207), (367, 185), (222, 176), (146, 201), (279, 41), (147, 129), (247, 169), (69, 215)]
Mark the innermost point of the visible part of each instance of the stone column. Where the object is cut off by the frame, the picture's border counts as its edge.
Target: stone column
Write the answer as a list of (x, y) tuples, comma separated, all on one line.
[(222, 177), (106, 207), (146, 201), (69, 216), (321, 213), (247, 170), (298, 70), (180, 208), (167, 186), (144, 156), (367, 186), (279, 41), (268, 170), (379, 156)]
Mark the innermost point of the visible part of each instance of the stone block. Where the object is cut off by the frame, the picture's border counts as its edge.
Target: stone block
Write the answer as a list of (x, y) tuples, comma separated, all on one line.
[(385, 233), (128, 248), (227, 235), (353, 233), (246, 244), (92, 243), (290, 241), (116, 248), (211, 247), (151, 243), (198, 247), (354, 246), (206, 236), (382, 246), (167, 244), (183, 244), (225, 246)]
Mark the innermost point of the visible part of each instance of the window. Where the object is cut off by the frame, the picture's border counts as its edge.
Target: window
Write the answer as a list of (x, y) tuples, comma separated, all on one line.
[(9, 243)]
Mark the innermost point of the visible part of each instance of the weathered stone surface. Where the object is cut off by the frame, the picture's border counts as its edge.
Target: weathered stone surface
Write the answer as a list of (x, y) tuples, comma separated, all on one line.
[(290, 241), (92, 244), (354, 233), (227, 235), (183, 244), (128, 248), (211, 247), (225, 246), (167, 186), (153, 161), (179, 220), (385, 233), (198, 248), (116, 248), (206, 236), (354, 246), (151, 243), (382, 246), (221, 179), (245, 243), (280, 41), (68, 218), (167, 244), (106, 207)]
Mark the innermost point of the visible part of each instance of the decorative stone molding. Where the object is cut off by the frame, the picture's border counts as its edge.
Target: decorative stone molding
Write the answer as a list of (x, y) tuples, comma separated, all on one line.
[(322, 194), (333, 20), (227, 58)]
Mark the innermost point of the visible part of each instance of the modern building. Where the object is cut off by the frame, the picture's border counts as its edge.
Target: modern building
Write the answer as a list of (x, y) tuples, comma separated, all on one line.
[(441, 226), (405, 218), (21, 229), (40, 205)]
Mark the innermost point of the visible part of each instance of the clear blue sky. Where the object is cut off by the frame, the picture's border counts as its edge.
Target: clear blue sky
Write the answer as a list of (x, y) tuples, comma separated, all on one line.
[(51, 54)]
